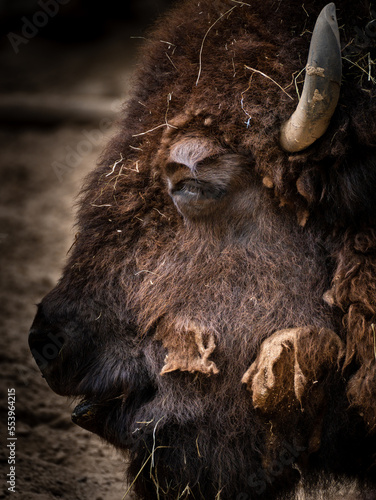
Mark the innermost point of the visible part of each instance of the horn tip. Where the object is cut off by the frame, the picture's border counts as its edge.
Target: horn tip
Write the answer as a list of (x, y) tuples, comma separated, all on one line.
[(330, 15)]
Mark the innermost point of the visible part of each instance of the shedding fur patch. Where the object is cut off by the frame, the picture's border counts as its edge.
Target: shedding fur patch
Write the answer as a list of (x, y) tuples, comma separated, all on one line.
[(290, 362), (188, 351)]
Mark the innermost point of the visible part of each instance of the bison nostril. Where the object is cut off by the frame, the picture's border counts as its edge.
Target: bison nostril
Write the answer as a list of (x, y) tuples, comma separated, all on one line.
[(45, 347)]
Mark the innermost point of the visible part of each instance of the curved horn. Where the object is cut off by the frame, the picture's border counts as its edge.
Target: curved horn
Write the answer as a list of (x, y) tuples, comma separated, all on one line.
[(321, 86)]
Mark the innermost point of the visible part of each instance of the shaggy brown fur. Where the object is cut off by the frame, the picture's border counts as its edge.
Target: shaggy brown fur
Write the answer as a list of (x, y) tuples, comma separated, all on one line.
[(207, 255)]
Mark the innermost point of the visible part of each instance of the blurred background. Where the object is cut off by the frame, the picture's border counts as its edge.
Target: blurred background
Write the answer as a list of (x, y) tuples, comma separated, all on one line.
[(65, 69), (68, 47)]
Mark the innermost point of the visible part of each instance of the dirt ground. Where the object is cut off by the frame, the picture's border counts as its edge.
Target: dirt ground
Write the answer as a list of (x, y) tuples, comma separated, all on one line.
[(54, 458)]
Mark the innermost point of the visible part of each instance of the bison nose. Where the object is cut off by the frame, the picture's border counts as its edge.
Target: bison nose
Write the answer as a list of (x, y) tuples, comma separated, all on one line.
[(45, 341)]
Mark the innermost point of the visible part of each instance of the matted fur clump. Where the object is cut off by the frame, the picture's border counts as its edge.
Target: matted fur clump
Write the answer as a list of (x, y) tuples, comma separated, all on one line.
[(218, 308)]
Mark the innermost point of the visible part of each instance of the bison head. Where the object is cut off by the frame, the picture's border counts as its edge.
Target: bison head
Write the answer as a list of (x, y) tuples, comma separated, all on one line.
[(215, 315)]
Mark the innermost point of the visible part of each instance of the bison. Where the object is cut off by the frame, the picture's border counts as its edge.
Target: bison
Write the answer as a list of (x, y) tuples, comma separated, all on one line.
[(216, 318)]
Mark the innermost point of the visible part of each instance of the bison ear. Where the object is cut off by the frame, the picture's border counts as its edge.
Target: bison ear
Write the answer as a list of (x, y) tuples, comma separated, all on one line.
[(321, 86)]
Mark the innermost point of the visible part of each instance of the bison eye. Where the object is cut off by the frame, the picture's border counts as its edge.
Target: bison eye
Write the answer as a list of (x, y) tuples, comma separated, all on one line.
[(194, 189), (192, 195), (203, 178), (207, 188)]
